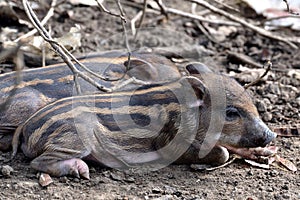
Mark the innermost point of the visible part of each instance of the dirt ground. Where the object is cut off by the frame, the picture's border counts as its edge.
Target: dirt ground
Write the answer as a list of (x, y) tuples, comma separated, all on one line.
[(277, 99)]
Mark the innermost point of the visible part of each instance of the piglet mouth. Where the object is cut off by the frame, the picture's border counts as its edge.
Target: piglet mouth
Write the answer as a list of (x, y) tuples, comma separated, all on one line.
[(253, 153)]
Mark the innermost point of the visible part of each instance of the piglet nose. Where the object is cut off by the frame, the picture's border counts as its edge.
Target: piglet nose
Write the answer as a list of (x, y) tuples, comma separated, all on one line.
[(268, 137)]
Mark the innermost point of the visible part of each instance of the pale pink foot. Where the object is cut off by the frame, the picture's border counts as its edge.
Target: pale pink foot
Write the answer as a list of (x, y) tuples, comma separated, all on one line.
[(75, 167)]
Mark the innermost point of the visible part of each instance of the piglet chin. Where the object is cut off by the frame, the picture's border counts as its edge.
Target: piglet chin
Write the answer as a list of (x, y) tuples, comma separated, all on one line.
[(253, 153)]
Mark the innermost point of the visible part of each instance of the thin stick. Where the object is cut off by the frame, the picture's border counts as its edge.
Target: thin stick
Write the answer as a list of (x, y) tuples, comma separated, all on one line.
[(61, 50), (125, 35), (162, 8), (205, 32), (19, 62), (186, 14), (197, 17), (133, 21), (226, 6), (103, 9), (288, 8), (201, 27), (243, 58), (259, 30), (269, 67), (43, 22), (142, 18), (123, 25), (123, 22)]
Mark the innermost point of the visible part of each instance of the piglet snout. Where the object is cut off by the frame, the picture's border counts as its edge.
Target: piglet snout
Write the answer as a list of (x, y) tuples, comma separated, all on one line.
[(258, 134), (268, 137)]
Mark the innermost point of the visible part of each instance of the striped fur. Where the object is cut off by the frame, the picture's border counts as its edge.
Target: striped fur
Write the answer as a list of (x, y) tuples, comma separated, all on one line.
[(119, 122), (192, 120), (42, 86)]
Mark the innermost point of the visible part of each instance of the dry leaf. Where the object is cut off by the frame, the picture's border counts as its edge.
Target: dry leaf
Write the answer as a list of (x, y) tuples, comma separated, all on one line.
[(70, 40), (256, 164), (288, 164)]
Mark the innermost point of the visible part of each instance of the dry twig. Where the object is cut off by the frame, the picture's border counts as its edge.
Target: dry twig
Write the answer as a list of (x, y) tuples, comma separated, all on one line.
[(133, 21), (243, 58), (63, 52), (269, 67), (18, 59), (259, 30), (103, 9), (124, 28), (201, 27), (197, 17), (162, 8), (288, 8), (188, 15), (43, 22), (142, 18), (226, 6)]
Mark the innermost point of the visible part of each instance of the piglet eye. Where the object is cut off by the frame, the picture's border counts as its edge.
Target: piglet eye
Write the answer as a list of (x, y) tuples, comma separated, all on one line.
[(232, 114)]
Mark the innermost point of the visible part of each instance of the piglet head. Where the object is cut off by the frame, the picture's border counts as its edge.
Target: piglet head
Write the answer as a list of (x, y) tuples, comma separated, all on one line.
[(237, 117)]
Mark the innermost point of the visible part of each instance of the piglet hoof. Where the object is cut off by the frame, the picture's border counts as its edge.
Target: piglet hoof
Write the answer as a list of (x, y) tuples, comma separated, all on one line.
[(77, 168)]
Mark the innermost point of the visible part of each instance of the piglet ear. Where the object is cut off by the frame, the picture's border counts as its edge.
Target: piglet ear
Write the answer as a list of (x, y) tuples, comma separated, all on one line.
[(141, 70), (200, 90), (197, 68)]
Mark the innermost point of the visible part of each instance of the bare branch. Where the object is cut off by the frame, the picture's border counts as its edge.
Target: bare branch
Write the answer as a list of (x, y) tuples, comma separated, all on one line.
[(197, 17), (62, 51), (226, 6), (133, 21), (43, 22), (142, 18), (259, 30), (162, 8), (269, 67), (288, 8), (103, 9), (18, 59), (187, 15)]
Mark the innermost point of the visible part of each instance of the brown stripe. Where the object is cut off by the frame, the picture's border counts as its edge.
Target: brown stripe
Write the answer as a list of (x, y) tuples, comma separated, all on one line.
[(28, 83), (35, 136), (97, 99)]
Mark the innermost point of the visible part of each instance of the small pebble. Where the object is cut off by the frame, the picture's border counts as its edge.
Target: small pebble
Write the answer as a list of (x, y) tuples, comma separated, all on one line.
[(250, 173), (285, 187), (130, 180), (115, 177), (6, 170), (77, 180), (261, 106), (274, 173), (298, 100), (286, 196), (156, 190), (45, 179), (267, 117), (63, 179)]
